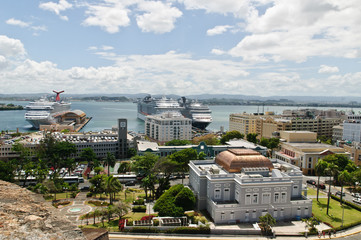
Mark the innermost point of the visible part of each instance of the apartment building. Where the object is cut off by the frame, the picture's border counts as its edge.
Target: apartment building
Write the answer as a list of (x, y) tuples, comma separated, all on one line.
[(168, 126), (245, 123), (241, 185), (302, 150), (352, 128)]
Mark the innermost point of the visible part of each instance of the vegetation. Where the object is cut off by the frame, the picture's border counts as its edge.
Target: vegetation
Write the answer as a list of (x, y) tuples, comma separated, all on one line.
[(175, 201), (266, 222), (177, 142), (231, 135), (252, 137), (209, 139), (311, 223)]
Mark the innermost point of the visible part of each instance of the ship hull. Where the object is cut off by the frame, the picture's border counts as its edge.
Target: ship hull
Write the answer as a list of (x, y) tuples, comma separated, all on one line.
[(37, 122), (200, 125)]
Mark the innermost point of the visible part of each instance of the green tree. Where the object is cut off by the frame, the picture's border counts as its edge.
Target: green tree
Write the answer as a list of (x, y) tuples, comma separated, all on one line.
[(98, 170), (202, 156), (131, 152), (98, 184), (110, 161), (182, 158), (331, 170), (121, 208), (125, 166), (320, 171), (231, 135), (344, 177), (209, 139), (178, 142), (88, 155), (164, 167), (185, 199), (266, 222), (311, 223), (166, 205), (252, 137), (113, 186), (7, 171)]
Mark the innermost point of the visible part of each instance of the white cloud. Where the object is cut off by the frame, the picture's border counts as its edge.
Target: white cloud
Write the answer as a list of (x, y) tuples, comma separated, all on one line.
[(238, 8), (218, 30), (159, 17), (109, 15), (107, 48), (17, 22), (217, 51), (56, 7), (10, 47), (328, 69), (299, 29)]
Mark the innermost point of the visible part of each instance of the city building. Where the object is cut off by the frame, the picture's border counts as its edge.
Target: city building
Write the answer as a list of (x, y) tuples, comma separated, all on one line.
[(303, 150), (241, 185), (210, 151), (352, 128), (268, 126), (168, 126), (245, 123), (337, 133)]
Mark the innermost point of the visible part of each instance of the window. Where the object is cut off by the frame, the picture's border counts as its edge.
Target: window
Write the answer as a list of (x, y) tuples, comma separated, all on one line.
[(236, 196), (223, 216), (232, 215), (277, 197), (217, 193), (283, 197), (266, 198), (248, 199), (255, 198), (227, 194)]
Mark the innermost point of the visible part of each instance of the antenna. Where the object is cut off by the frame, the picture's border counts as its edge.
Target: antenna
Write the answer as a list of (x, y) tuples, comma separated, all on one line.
[(57, 95)]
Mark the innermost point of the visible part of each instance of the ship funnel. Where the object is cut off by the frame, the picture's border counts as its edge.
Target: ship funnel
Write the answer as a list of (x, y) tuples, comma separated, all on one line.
[(184, 100), (57, 95)]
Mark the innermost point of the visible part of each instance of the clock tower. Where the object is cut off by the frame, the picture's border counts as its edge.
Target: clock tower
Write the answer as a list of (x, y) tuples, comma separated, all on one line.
[(122, 137)]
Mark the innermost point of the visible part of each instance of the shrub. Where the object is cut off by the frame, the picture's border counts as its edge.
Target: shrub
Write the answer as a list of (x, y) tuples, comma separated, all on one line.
[(61, 203), (89, 194), (48, 196), (144, 230), (185, 199), (139, 201), (98, 203), (139, 208), (156, 222), (190, 230)]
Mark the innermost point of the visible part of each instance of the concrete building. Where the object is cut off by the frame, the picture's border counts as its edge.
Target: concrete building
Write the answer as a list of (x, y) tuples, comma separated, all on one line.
[(168, 126), (352, 128), (210, 151), (303, 151), (269, 125), (241, 185), (245, 123), (337, 133)]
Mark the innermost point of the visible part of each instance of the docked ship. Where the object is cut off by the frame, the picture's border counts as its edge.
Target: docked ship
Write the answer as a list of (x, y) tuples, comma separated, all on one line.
[(151, 106), (42, 111), (199, 113)]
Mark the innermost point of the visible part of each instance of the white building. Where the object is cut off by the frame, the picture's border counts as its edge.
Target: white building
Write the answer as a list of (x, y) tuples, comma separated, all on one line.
[(168, 126), (352, 128), (241, 185)]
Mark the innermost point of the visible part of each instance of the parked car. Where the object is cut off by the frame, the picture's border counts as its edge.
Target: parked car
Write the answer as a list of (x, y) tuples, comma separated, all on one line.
[(85, 188), (312, 182), (339, 193), (357, 200), (322, 186), (356, 195)]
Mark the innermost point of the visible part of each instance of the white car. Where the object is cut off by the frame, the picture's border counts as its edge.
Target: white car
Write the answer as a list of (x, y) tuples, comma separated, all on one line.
[(356, 195), (357, 200)]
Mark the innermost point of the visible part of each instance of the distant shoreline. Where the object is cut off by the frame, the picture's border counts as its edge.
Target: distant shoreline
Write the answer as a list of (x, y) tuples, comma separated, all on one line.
[(10, 106)]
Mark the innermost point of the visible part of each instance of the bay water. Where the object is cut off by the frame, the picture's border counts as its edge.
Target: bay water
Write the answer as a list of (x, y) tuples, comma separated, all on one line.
[(105, 114)]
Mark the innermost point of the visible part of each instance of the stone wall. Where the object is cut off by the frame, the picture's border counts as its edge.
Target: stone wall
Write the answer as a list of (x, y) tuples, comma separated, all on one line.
[(25, 215)]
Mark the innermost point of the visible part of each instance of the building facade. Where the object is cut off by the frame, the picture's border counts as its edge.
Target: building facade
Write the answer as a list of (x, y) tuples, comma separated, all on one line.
[(168, 126), (242, 185), (352, 128)]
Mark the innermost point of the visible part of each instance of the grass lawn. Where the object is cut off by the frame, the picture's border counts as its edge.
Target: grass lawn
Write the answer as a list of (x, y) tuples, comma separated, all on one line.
[(335, 212), (313, 192)]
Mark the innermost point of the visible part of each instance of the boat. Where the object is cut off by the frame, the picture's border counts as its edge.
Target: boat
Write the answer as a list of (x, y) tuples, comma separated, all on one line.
[(152, 106), (42, 111), (200, 114)]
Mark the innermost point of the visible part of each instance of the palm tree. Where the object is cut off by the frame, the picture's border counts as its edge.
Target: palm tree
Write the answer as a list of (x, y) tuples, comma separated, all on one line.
[(110, 160), (112, 187), (344, 177), (331, 171), (320, 171)]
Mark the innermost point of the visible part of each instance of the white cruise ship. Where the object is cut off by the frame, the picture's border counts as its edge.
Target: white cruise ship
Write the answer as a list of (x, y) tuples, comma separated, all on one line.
[(42, 111)]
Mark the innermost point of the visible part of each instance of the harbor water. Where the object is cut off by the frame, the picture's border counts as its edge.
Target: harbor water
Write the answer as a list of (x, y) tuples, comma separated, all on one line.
[(105, 114)]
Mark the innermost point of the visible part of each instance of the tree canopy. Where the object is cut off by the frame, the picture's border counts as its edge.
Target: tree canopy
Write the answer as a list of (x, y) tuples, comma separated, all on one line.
[(231, 135), (178, 142)]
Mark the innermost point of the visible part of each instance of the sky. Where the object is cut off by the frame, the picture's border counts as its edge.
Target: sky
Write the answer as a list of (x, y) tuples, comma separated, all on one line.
[(184, 47)]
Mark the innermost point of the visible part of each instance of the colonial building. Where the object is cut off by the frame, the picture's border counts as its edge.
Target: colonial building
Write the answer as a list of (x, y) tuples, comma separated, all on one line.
[(241, 185)]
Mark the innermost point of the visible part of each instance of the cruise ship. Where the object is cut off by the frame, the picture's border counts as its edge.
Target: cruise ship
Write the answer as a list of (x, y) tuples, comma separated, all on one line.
[(199, 113), (42, 111)]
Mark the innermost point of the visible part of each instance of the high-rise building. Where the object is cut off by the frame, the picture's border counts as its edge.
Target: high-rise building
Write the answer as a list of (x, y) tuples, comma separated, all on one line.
[(168, 126), (122, 137)]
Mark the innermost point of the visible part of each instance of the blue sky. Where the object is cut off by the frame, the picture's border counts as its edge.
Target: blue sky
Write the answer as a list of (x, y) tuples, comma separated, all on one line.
[(251, 47)]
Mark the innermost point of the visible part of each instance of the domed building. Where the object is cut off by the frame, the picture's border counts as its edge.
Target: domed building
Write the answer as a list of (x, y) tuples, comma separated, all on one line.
[(240, 185)]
